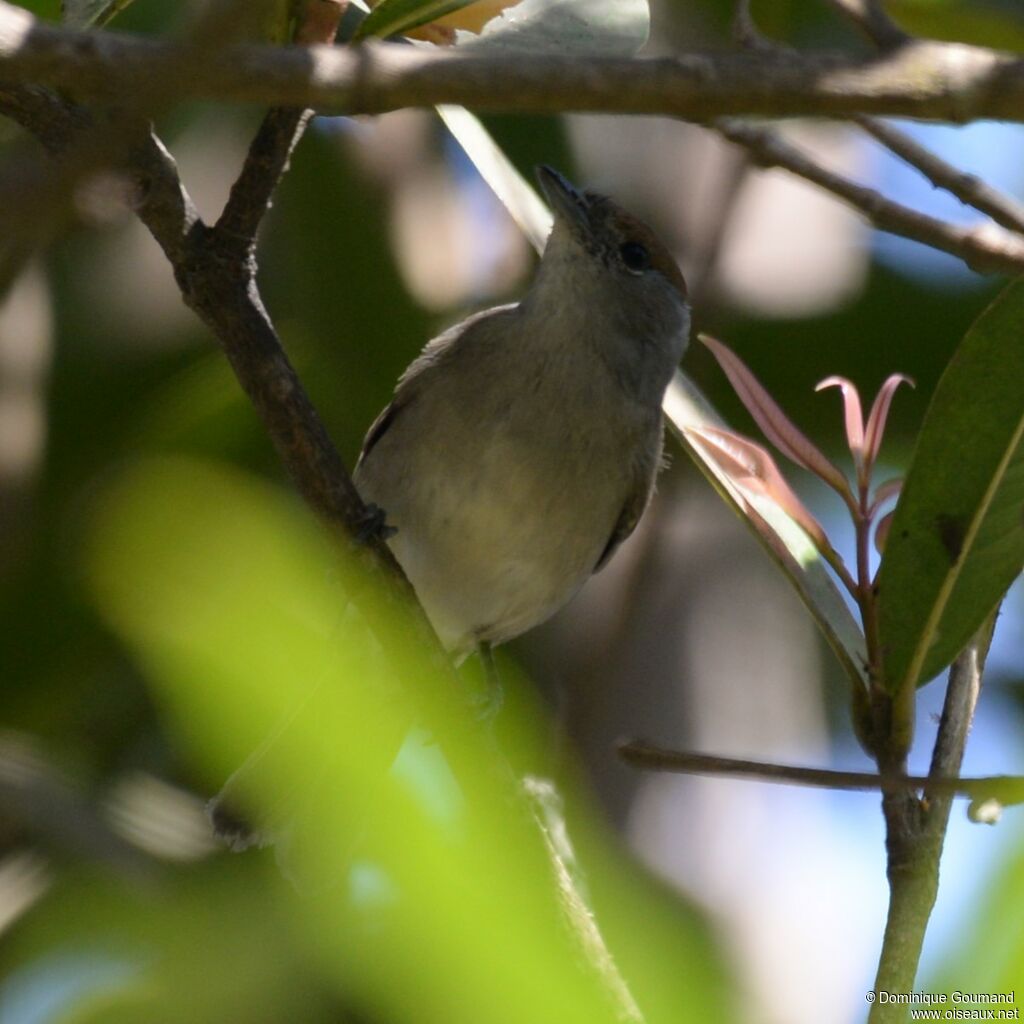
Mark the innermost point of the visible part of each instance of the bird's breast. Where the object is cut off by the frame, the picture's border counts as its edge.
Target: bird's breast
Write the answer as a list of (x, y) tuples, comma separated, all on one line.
[(504, 496)]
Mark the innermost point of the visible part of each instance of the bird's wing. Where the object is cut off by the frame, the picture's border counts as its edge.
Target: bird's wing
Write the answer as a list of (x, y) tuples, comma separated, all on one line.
[(379, 427), (628, 517), (645, 468), (432, 360)]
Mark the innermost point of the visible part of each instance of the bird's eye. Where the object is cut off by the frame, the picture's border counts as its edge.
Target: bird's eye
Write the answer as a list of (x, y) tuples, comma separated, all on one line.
[(636, 258)]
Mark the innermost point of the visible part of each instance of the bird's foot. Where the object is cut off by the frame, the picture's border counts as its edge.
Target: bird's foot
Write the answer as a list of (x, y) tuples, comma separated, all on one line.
[(373, 525)]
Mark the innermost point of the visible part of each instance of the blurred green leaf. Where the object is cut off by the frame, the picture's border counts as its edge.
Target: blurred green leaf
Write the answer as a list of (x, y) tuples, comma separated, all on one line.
[(989, 958), (208, 574), (48, 9), (234, 602), (91, 13), (957, 538), (203, 946), (996, 23), (393, 17)]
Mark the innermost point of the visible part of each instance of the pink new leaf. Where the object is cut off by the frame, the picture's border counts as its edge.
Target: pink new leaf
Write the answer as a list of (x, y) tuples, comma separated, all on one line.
[(876, 418), (750, 467), (854, 420), (777, 426)]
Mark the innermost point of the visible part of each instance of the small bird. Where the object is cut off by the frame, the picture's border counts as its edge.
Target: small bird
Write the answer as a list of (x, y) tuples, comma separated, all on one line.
[(521, 447)]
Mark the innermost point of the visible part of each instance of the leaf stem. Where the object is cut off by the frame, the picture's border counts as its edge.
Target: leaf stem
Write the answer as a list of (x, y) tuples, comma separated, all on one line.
[(839, 567), (866, 597)]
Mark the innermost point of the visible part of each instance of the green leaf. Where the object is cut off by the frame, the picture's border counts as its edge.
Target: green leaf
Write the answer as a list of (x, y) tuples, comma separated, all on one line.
[(988, 953), (235, 606), (91, 13), (995, 23), (536, 26), (957, 538), (609, 27), (393, 17)]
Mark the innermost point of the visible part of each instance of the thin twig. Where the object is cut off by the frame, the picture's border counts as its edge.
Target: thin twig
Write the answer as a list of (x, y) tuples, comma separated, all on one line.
[(265, 164), (983, 249), (1007, 789), (871, 18), (745, 32), (278, 135), (962, 695), (943, 81), (968, 188)]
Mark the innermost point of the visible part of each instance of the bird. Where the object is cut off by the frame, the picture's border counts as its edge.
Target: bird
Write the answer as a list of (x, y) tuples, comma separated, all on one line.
[(519, 451), (521, 447)]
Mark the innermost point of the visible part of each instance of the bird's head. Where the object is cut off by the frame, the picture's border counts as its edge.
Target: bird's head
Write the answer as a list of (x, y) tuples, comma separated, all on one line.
[(607, 269)]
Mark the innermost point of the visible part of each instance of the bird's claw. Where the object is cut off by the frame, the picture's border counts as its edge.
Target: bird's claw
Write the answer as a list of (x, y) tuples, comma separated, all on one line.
[(373, 525)]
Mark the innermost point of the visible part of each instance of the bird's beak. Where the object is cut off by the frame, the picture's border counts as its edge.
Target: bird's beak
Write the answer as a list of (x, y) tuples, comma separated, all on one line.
[(567, 202)]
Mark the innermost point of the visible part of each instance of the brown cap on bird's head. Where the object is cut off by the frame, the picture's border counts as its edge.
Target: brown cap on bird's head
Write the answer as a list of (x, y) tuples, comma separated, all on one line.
[(608, 231)]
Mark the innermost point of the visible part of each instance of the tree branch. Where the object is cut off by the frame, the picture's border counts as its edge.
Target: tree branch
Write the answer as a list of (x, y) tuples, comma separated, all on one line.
[(982, 248), (962, 695), (943, 81), (968, 188), (216, 272), (916, 832), (770, 149)]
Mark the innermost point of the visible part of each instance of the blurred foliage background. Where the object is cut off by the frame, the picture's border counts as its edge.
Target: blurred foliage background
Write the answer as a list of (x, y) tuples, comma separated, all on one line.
[(164, 597)]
